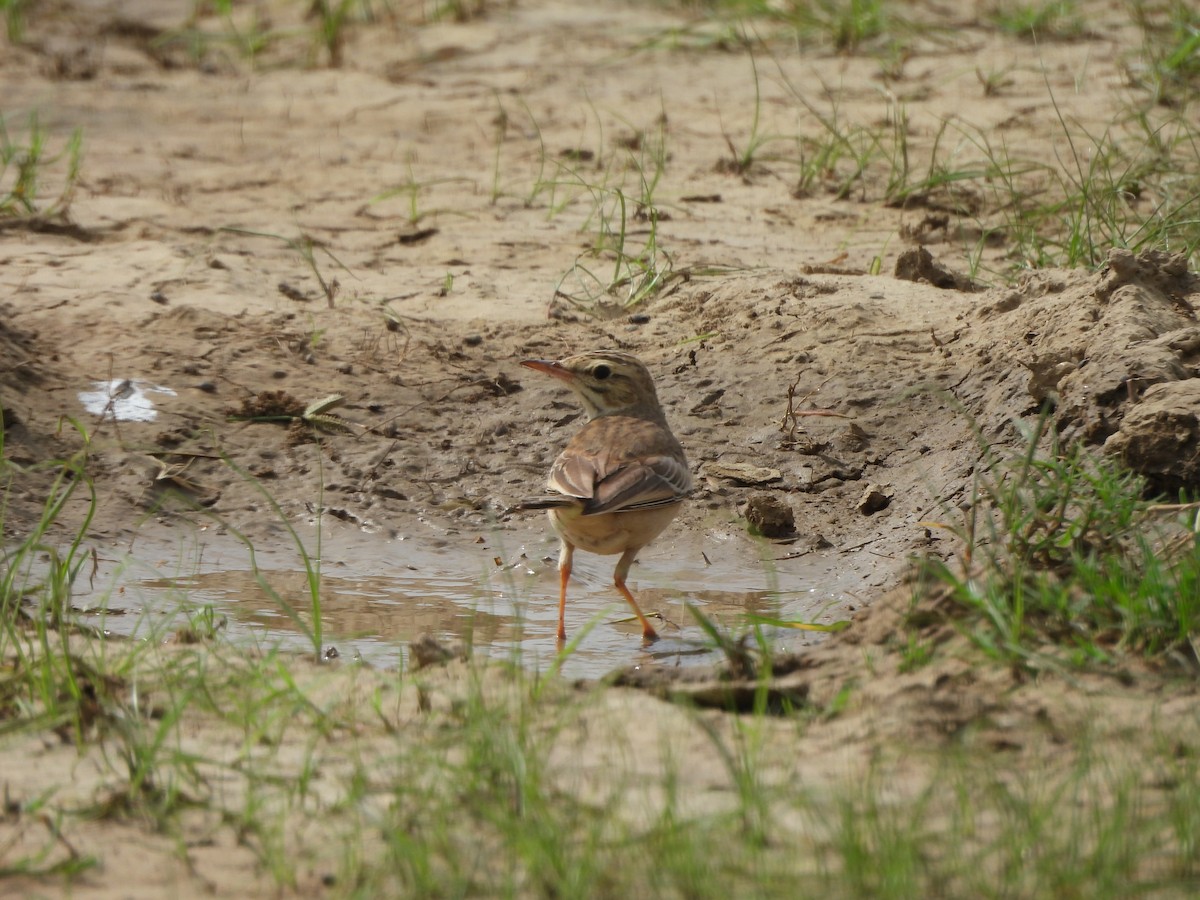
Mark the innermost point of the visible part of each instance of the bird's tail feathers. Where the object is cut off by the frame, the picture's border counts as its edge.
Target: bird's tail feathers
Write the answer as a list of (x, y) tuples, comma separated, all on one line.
[(547, 502)]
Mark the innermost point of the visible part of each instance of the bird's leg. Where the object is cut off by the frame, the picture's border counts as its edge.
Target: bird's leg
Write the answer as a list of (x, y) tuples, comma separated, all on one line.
[(649, 635), (564, 575)]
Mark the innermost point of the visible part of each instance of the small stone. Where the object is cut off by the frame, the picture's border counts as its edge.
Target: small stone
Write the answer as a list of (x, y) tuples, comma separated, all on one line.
[(770, 515), (874, 498)]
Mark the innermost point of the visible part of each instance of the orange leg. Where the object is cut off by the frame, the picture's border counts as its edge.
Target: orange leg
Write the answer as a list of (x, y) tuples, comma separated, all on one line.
[(564, 575), (649, 635)]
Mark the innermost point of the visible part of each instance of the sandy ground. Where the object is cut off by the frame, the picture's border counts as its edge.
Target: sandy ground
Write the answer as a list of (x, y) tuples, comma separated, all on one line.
[(442, 182)]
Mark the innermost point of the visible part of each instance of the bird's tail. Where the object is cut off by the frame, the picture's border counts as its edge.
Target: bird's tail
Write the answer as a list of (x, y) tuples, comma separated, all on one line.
[(547, 502)]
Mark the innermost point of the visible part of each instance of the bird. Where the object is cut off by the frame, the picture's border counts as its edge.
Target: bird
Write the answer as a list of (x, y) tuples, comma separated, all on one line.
[(621, 479)]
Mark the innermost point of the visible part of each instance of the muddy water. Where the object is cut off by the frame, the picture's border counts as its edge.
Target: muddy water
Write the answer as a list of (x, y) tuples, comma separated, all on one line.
[(499, 595)]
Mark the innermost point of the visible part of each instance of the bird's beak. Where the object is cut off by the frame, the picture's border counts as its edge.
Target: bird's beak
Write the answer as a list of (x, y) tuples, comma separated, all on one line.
[(549, 367)]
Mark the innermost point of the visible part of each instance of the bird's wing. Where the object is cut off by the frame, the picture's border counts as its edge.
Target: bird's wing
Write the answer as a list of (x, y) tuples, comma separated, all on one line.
[(639, 484), (574, 475)]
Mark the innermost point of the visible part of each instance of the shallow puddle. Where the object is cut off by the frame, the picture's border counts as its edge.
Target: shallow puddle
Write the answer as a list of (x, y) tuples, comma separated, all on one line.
[(500, 595)]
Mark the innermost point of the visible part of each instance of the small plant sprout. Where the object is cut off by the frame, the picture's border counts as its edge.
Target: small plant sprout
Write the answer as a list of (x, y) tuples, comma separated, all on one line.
[(26, 166)]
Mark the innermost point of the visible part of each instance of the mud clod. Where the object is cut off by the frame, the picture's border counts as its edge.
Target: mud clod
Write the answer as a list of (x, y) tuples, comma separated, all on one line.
[(919, 265), (1160, 436), (269, 405), (428, 650), (770, 515)]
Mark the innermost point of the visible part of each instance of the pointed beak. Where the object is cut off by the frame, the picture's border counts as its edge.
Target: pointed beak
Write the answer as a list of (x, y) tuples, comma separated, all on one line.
[(549, 367)]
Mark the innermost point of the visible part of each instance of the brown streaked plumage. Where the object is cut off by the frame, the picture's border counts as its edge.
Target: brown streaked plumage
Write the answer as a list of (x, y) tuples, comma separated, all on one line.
[(622, 478)]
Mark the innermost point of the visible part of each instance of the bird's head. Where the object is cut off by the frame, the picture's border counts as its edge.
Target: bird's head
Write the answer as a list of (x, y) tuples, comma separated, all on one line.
[(607, 382)]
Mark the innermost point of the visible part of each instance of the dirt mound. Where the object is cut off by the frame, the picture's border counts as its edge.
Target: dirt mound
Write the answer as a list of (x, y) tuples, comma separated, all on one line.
[(19, 371), (26, 369), (1088, 347)]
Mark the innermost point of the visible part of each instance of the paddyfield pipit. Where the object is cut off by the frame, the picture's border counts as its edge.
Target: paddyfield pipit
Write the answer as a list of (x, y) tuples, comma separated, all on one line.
[(621, 479)]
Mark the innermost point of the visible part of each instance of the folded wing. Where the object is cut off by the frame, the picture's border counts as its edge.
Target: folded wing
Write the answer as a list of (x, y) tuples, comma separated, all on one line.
[(640, 484)]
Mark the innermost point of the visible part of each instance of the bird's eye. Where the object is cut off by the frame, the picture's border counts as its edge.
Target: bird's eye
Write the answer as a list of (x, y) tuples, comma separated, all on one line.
[(601, 372)]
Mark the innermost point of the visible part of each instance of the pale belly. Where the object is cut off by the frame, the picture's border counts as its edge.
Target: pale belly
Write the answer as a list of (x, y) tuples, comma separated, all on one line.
[(610, 533)]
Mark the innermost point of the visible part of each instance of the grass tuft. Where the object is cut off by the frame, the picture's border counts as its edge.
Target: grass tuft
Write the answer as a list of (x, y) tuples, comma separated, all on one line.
[(1040, 21), (25, 166), (1063, 558)]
